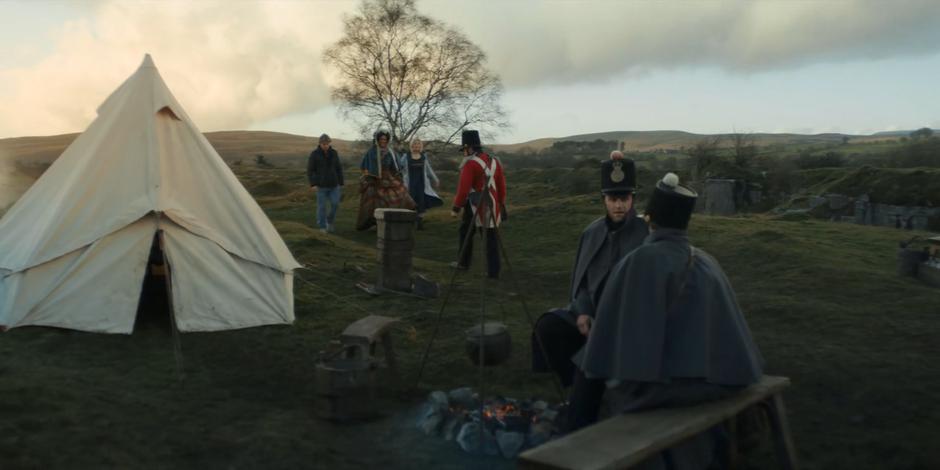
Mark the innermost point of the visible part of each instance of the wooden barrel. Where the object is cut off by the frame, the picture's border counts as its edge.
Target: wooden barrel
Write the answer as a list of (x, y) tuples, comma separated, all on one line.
[(345, 389)]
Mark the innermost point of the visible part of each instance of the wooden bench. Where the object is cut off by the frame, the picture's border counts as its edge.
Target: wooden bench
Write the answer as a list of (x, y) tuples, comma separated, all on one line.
[(365, 333), (628, 439)]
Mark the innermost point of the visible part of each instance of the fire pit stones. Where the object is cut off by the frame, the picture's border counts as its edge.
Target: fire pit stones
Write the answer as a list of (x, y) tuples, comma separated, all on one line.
[(508, 425)]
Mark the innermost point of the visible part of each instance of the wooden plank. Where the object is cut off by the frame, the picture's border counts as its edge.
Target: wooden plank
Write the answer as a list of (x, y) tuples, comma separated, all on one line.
[(786, 451), (626, 440), (367, 329)]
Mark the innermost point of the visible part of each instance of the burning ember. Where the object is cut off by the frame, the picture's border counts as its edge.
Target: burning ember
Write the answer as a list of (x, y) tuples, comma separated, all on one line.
[(501, 412), (508, 415), (507, 426)]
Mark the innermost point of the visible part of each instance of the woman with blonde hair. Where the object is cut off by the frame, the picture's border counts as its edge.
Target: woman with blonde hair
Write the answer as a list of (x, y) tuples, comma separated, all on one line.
[(419, 178)]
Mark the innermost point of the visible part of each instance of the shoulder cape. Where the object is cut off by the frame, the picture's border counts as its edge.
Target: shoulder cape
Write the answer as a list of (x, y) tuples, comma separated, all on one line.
[(645, 330)]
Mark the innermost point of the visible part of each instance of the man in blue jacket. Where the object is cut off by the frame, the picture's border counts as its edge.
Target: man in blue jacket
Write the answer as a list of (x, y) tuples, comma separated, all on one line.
[(325, 174)]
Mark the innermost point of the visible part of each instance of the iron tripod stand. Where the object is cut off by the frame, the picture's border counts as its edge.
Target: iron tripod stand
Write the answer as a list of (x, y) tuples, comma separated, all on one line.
[(485, 212)]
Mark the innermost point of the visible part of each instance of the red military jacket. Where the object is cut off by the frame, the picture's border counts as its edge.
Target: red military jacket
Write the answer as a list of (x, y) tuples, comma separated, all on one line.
[(473, 176)]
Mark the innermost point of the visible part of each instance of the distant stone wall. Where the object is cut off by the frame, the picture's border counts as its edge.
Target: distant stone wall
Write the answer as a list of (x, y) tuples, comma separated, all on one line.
[(862, 211), (887, 215)]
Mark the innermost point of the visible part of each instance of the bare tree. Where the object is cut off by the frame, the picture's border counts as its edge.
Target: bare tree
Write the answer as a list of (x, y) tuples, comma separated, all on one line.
[(744, 147), (705, 153), (408, 72)]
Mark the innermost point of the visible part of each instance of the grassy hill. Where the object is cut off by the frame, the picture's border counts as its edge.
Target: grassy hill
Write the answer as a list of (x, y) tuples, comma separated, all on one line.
[(234, 145), (896, 186), (44, 149), (643, 141), (231, 145), (822, 300)]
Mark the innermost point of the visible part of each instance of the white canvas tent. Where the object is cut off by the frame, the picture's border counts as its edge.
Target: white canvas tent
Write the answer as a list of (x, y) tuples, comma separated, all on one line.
[(74, 247)]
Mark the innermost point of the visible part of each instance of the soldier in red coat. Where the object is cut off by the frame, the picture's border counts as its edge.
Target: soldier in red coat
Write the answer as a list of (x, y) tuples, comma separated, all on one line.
[(481, 195)]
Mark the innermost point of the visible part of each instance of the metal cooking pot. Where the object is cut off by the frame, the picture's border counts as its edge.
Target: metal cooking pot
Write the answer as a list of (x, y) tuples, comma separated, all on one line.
[(496, 342)]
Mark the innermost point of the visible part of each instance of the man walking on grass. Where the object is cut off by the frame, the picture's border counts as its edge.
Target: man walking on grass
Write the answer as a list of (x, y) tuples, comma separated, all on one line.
[(325, 174)]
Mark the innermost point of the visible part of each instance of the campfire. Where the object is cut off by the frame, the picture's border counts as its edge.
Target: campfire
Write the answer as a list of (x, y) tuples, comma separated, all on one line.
[(506, 425), (504, 414)]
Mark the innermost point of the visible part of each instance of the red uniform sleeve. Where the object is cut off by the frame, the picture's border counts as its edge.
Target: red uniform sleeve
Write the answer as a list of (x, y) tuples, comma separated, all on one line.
[(500, 183), (464, 184)]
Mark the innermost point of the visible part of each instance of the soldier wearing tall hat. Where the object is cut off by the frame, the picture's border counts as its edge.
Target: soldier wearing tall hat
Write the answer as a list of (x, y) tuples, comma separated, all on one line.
[(481, 196), (668, 330), (560, 333)]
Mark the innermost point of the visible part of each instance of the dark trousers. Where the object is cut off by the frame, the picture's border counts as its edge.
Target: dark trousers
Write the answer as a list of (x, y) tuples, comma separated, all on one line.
[(584, 402), (492, 244), (561, 340)]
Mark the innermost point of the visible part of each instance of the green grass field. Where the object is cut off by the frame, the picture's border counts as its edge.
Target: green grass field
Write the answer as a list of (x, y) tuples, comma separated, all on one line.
[(822, 299)]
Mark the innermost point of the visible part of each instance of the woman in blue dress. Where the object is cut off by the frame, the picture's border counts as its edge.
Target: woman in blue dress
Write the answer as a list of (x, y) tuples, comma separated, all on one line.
[(420, 180)]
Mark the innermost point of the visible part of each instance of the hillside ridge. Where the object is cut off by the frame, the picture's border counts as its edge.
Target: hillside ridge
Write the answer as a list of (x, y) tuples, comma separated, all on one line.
[(234, 144)]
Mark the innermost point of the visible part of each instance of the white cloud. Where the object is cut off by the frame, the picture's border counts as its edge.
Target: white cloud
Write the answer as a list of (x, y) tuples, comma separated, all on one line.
[(229, 63), (236, 64), (572, 41)]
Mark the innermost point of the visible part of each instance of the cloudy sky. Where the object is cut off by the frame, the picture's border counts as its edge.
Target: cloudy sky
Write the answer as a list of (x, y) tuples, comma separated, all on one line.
[(569, 67)]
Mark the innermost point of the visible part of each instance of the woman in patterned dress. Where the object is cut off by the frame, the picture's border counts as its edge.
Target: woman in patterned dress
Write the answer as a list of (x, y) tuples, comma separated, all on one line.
[(380, 185)]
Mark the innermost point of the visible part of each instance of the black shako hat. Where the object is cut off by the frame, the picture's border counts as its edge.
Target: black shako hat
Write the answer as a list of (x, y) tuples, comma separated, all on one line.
[(470, 139), (671, 204), (618, 177)]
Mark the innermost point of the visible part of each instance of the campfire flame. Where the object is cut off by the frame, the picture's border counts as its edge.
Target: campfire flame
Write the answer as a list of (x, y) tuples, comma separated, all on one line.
[(501, 412)]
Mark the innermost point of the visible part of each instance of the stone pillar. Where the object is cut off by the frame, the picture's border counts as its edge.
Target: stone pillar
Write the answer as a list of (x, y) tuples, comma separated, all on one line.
[(396, 242)]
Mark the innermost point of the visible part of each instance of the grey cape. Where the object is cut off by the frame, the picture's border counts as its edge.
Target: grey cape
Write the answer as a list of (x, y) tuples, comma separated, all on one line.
[(599, 249), (646, 330)]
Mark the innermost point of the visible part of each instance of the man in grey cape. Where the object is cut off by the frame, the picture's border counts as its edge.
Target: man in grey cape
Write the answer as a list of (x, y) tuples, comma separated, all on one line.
[(560, 333), (668, 329)]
